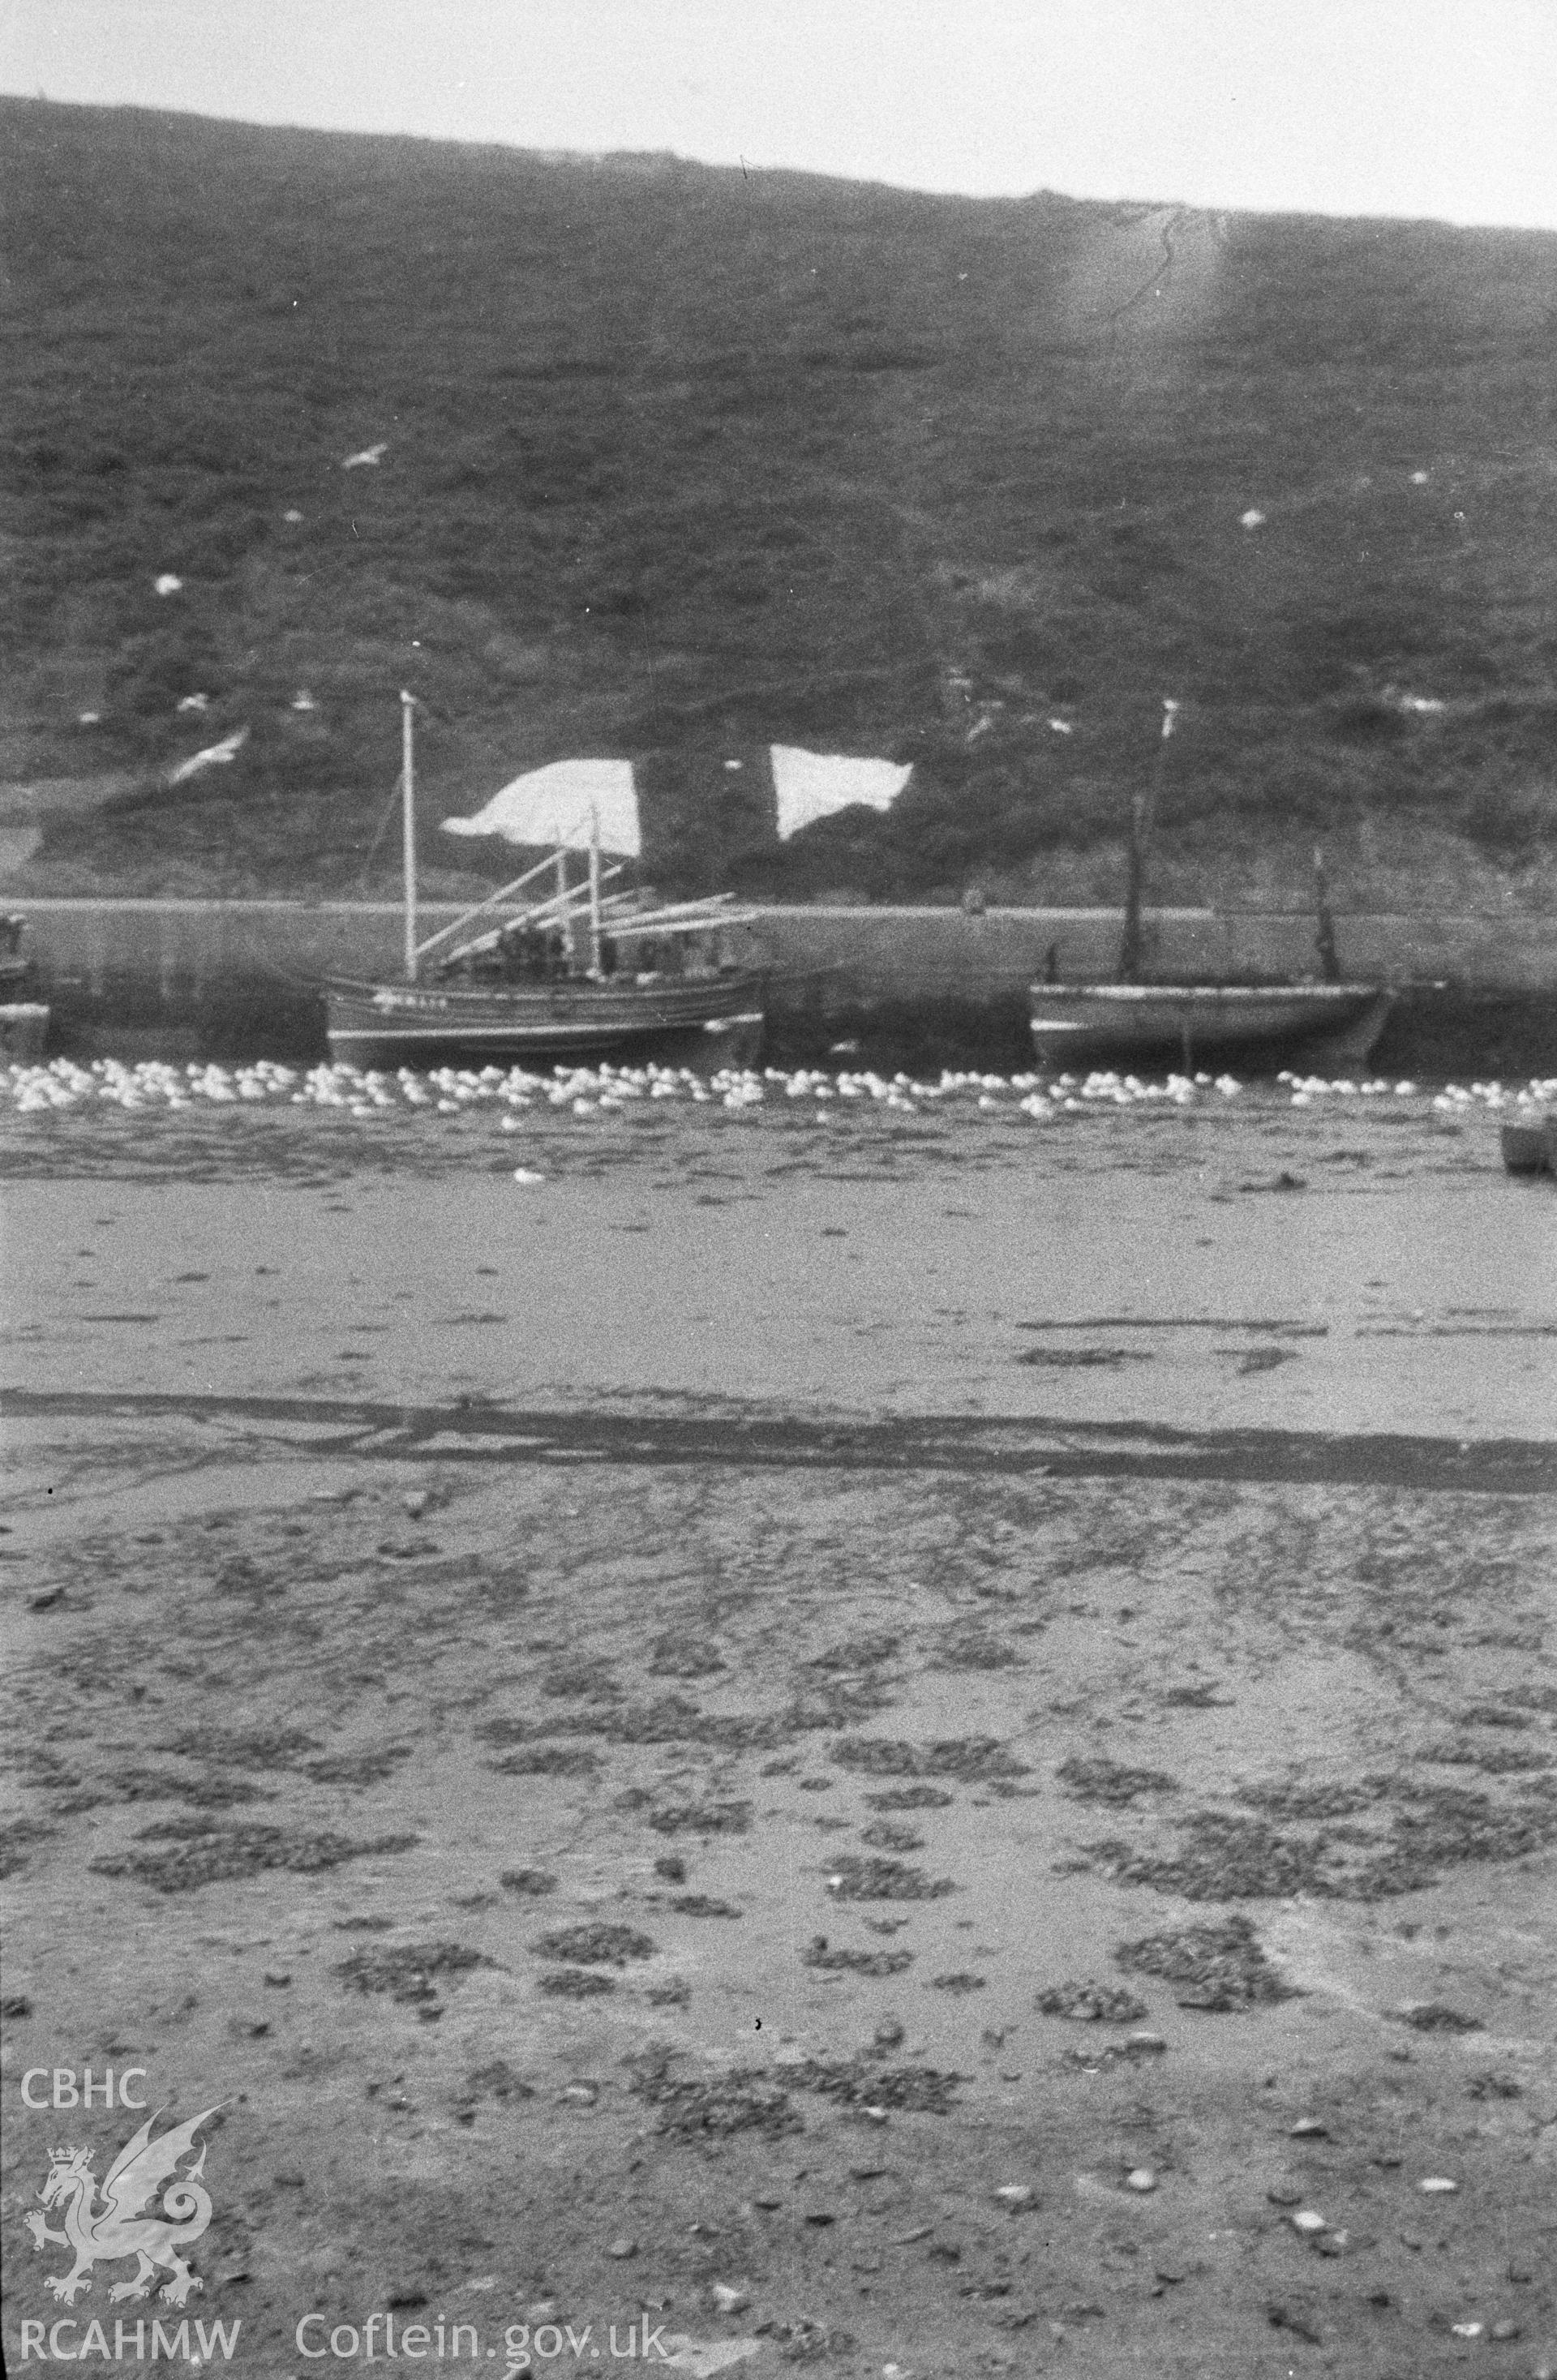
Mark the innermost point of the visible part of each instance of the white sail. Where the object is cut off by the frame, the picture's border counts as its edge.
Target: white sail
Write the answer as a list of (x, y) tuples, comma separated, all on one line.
[(555, 808), (811, 785)]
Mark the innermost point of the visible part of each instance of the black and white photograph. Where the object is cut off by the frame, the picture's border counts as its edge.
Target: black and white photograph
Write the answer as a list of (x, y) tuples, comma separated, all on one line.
[(778, 1174)]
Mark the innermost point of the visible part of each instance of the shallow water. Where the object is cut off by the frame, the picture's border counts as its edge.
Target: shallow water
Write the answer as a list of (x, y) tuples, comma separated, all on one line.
[(1297, 1256)]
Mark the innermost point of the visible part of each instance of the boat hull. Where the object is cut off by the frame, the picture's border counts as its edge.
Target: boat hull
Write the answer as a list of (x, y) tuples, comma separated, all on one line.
[(708, 1024), (1079, 1023), (1531, 1147), (24, 1028)]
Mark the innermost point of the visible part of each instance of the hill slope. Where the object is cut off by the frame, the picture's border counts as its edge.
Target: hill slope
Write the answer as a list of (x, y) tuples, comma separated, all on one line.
[(678, 460)]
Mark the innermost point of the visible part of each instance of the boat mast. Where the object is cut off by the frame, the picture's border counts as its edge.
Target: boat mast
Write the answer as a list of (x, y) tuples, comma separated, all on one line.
[(408, 833), (594, 888), (1324, 936), (565, 905), (1143, 812)]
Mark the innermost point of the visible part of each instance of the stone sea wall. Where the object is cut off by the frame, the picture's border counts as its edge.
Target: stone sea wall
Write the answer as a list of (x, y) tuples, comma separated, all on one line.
[(197, 978)]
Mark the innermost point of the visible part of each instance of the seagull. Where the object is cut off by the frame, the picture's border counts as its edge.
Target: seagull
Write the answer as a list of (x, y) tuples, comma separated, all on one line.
[(369, 454), (1252, 519), (195, 702), (1061, 727), (214, 756), (292, 515), (169, 584), (303, 701)]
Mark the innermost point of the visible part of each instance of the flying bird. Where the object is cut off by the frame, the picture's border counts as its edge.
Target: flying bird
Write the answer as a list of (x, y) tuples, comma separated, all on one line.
[(369, 454), (214, 756)]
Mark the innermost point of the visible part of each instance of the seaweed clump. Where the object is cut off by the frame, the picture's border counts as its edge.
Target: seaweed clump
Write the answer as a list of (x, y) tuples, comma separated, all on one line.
[(197, 1852), (1221, 1967)]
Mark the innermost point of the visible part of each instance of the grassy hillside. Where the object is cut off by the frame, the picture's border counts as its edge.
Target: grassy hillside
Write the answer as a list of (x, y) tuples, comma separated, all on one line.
[(680, 460)]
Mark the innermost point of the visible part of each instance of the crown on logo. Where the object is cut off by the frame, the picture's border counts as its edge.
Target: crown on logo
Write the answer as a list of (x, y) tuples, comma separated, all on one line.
[(68, 2155)]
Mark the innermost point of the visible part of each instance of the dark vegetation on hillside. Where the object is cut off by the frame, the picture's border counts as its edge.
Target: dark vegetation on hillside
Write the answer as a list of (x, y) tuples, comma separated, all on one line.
[(678, 460)]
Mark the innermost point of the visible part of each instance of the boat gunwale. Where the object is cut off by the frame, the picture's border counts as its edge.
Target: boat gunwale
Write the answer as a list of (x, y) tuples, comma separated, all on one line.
[(1178, 995)]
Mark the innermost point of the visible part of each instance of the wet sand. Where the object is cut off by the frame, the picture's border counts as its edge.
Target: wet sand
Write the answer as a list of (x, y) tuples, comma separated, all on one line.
[(591, 1713)]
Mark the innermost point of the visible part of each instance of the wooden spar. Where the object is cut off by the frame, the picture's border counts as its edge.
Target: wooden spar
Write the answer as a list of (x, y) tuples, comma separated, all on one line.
[(505, 892), (537, 914), (561, 903), (594, 888), (576, 896), (408, 830), (683, 917), (680, 918), (542, 913), (1143, 815), (1135, 864), (1324, 935)]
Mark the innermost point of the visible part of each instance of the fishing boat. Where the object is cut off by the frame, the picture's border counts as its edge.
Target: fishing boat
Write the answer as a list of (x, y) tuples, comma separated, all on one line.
[(574, 972), (1529, 1143), (1331, 1022), (24, 1021)]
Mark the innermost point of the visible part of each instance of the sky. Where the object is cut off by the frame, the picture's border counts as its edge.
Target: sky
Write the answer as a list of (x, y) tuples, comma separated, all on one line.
[(1442, 108)]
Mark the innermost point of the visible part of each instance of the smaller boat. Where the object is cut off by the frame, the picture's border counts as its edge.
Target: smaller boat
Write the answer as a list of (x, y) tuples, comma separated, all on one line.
[(1336, 1023), (1332, 1022), (1529, 1143), (573, 975), (24, 1022)]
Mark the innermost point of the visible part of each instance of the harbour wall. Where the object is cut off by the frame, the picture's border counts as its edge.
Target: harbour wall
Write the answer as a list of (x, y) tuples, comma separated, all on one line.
[(211, 979)]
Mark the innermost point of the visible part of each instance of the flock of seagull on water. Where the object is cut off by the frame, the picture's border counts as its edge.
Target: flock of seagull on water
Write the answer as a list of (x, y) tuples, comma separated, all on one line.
[(62, 1085)]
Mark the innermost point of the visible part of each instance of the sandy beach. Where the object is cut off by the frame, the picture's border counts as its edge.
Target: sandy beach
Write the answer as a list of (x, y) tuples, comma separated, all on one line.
[(798, 1728)]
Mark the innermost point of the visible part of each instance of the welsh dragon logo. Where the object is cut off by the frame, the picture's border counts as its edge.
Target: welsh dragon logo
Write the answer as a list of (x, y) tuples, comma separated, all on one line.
[(118, 2227)]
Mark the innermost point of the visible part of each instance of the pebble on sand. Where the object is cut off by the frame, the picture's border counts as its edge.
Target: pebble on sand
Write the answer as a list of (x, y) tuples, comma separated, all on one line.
[(1016, 2194), (728, 2299), (1308, 2220), (1141, 2176), (1437, 2185), (622, 2248)]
